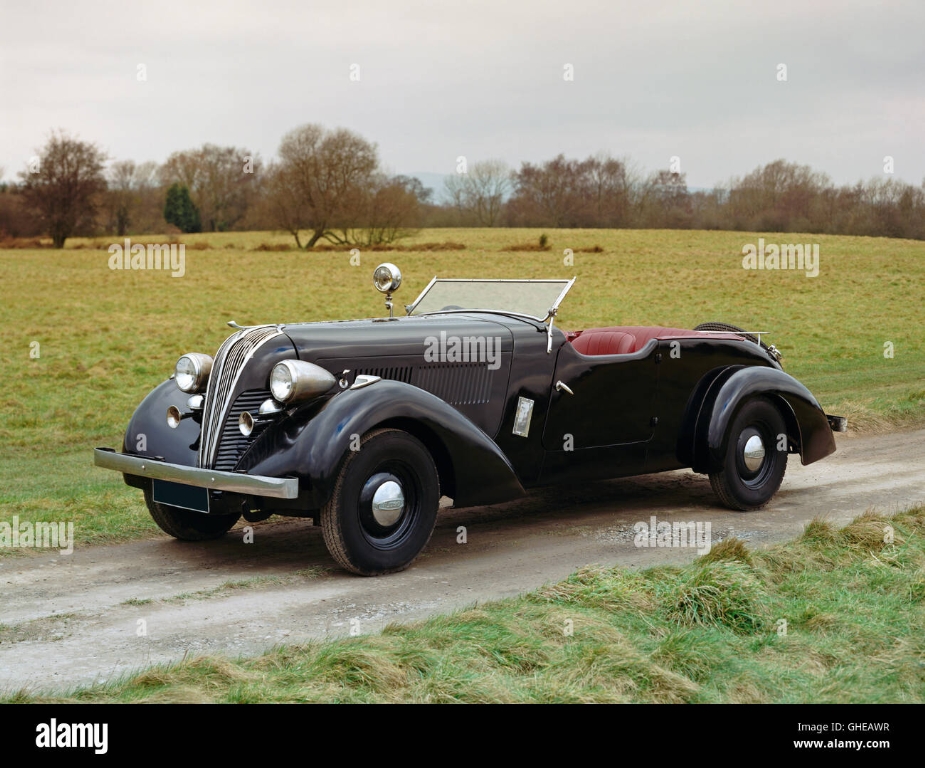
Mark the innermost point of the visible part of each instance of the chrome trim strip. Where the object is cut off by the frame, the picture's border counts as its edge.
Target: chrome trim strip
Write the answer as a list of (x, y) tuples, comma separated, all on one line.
[(501, 280), (255, 485), (756, 334), (364, 381), (555, 307), (504, 312), (409, 308), (229, 363)]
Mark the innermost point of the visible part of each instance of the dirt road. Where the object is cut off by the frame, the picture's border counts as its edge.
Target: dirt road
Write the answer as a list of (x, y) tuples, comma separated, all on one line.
[(103, 611)]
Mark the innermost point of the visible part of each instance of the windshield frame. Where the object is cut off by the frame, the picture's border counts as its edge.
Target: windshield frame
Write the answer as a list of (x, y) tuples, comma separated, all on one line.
[(551, 312)]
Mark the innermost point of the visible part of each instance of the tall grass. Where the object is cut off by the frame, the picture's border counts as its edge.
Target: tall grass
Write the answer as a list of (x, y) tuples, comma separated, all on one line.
[(836, 616)]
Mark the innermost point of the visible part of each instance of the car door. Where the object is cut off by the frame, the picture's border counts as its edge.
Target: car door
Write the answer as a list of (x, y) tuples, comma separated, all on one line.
[(601, 429), (612, 403)]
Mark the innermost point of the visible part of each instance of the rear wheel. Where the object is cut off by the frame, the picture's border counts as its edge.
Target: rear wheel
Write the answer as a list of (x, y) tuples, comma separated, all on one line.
[(753, 467), (187, 525), (384, 505)]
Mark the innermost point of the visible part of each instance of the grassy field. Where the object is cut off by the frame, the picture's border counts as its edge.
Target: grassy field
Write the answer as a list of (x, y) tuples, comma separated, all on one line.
[(836, 616), (81, 344)]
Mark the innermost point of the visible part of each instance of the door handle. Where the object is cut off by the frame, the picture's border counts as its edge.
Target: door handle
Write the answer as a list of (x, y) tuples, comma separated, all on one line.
[(560, 387)]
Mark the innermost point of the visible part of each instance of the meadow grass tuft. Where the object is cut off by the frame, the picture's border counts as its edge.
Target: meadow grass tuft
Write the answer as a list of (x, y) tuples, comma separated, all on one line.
[(719, 594)]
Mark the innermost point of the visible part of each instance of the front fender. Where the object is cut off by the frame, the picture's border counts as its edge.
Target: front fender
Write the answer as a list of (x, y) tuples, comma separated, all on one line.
[(148, 434), (473, 470), (808, 427)]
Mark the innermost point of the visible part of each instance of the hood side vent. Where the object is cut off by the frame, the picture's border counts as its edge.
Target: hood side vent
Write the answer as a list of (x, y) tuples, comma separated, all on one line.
[(395, 373), (456, 383)]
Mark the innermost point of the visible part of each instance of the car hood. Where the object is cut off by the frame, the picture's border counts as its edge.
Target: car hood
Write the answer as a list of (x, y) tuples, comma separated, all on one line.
[(403, 336)]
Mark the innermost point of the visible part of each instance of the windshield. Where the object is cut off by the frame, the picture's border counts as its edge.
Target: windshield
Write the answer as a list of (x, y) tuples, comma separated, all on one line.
[(524, 297)]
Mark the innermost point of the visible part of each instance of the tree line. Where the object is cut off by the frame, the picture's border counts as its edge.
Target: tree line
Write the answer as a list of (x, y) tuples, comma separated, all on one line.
[(329, 185)]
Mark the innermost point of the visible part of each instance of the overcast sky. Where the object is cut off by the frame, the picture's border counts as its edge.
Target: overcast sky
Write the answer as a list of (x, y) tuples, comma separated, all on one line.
[(652, 80)]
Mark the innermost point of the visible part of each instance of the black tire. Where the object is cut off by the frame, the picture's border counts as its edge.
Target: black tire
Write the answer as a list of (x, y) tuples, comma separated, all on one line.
[(187, 525), (737, 484), (727, 328), (365, 539)]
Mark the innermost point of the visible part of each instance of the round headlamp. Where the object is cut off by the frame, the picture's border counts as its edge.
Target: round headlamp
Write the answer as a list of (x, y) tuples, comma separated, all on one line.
[(294, 381), (387, 278), (281, 383), (192, 372)]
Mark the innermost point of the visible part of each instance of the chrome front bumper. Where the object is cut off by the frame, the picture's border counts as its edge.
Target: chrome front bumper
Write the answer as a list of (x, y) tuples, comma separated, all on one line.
[(234, 482)]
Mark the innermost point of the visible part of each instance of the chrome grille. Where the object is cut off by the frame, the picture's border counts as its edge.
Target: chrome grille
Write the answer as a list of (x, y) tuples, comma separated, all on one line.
[(232, 444), (230, 360)]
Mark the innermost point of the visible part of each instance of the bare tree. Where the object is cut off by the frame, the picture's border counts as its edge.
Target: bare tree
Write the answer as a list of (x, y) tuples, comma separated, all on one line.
[(220, 181), (479, 195), (15, 219), (779, 196), (416, 187), (610, 182), (554, 194), (128, 184), (321, 183), (667, 200), (64, 186), (390, 210)]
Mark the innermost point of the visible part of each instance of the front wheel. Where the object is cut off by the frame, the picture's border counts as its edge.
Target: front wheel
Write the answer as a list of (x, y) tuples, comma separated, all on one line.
[(187, 525), (384, 505), (753, 467)]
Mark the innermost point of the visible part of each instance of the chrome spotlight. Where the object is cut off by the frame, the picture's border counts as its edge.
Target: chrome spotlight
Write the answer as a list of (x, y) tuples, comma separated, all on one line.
[(387, 279)]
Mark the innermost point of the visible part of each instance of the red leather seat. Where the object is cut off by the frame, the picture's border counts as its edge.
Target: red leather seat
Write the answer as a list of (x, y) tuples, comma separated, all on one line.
[(645, 334), (624, 340), (604, 342)]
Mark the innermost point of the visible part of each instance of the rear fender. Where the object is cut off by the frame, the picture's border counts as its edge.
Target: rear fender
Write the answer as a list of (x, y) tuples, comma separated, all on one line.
[(808, 429)]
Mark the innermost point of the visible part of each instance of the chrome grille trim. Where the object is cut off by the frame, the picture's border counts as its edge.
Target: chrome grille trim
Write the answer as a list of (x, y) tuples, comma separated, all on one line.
[(232, 356)]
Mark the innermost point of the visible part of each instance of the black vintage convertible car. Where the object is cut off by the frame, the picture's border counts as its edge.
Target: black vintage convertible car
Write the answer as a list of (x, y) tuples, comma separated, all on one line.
[(475, 395)]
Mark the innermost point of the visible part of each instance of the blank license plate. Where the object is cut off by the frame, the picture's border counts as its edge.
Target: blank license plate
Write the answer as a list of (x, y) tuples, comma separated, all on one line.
[(179, 495)]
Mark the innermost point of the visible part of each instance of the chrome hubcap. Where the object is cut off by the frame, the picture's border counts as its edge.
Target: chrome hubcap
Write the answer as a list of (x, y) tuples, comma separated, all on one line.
[(388, 503), (753, 455)]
